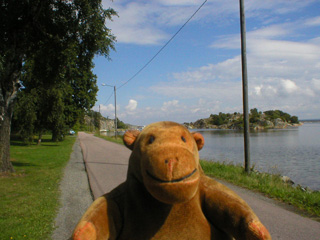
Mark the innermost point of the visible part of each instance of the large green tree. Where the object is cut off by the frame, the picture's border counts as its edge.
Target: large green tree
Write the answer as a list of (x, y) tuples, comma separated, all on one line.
[(52, 43)]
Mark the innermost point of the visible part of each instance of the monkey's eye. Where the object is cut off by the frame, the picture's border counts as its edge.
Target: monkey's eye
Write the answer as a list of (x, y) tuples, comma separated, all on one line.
[(151, 139), (183, 139)]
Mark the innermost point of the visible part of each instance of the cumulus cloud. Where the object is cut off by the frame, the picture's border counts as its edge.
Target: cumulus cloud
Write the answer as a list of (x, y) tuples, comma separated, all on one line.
[(289, 85), (283, 63), (225, 70), (105, 110), (169, 106), (179, 2), (132, 105), (133, 26), (315, 84), (281, 73), (146, 22), (313, 21)]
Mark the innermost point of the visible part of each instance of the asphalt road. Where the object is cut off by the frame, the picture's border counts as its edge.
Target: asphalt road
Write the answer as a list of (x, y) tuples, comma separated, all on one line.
[(106, 165)]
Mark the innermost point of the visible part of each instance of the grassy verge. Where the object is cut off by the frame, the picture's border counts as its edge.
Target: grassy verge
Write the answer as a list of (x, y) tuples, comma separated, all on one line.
[(268, 184), (111, 139), (29, 197)]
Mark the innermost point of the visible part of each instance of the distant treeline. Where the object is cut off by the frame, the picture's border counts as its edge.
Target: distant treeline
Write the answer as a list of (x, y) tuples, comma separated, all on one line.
[(254, 117), (258, 120)]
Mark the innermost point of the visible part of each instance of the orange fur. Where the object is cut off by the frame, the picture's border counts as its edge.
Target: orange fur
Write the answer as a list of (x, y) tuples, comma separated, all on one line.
[(167, 196)]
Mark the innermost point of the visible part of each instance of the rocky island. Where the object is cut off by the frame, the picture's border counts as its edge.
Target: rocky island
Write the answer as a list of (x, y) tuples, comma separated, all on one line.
[(257, 120)]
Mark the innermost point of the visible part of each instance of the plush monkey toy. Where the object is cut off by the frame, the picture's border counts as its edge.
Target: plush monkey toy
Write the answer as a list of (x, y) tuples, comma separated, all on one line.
[(167, 196)]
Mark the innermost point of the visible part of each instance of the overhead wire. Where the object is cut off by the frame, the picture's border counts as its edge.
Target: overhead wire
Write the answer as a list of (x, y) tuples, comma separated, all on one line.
[(108, 98), (163, 47), (159, 51)]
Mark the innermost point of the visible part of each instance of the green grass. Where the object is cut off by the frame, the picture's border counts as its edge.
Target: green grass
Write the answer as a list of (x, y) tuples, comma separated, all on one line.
[(111, 139), (269, 184), (29, 197)]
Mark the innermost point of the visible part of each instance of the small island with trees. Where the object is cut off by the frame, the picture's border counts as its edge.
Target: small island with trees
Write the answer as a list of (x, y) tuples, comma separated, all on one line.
[(257, 120)]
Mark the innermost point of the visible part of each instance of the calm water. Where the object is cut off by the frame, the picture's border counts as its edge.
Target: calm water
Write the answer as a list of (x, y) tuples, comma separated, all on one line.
[(291, 152)]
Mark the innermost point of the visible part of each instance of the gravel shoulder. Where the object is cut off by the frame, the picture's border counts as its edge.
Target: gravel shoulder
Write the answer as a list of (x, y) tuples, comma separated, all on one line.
[(75, 196)]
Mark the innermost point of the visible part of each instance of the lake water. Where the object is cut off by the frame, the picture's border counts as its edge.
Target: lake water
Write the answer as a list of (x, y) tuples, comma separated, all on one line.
[(293, 152)]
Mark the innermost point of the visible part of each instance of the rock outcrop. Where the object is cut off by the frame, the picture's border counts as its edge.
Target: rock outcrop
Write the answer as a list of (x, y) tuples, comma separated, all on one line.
[(235, 121)]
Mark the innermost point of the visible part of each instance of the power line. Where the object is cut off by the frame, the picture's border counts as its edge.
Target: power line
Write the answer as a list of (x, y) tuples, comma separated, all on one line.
[(108, 98), (144, 66)]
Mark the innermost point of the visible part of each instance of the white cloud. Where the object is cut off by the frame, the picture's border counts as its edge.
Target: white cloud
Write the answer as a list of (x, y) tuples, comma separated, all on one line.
[(278, 6), (283, 61), (313, 21), (281, 74), (289, 85), (315, 84), (105, 110), (277, 49), (225, 70), (132, 105), (271, 32), (146, 22), (169, 106), (315, 41), (135, 24), (108, 108), (179, 2)]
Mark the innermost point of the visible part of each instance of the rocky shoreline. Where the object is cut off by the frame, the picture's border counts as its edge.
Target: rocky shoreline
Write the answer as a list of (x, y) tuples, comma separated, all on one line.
[(235, 121)]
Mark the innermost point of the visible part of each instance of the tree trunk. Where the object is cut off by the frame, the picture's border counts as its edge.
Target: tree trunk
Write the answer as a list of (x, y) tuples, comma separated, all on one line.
[(55, 136), (5, 127), (9, 85), (40, 137)]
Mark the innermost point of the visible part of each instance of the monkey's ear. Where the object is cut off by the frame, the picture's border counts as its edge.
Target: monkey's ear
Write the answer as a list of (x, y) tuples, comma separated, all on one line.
[(199, 140), (130, 137)]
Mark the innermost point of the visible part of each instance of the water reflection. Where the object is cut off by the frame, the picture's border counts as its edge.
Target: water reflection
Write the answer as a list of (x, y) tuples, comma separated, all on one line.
[(292, 152)]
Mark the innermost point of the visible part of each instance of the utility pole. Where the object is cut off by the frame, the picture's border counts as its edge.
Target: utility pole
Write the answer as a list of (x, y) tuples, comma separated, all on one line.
[(115, 107), (99, 119), (92, 122), (115, 111), (245, 88)]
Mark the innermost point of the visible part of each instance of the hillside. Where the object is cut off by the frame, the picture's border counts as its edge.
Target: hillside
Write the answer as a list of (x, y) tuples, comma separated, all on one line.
[(258, 120)]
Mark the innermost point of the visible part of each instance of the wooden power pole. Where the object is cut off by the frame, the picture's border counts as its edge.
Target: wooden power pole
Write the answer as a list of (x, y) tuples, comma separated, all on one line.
[(245, 88)]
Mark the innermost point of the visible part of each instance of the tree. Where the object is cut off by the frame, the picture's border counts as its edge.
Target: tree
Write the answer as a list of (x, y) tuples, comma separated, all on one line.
[(294, 119), (121, 125), (254, 115), (96, 119), (56, 40), (24, 122), (274, 114)]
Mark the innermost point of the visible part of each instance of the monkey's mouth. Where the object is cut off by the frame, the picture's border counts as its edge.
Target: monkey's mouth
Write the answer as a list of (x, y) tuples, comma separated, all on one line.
[(173, 180)]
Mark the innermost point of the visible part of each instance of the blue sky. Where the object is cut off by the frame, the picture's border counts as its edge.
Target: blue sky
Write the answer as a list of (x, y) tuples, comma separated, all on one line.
[(199, 72)]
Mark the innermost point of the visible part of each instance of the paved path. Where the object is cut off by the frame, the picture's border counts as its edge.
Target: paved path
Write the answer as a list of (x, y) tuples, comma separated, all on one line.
[(106, 165)]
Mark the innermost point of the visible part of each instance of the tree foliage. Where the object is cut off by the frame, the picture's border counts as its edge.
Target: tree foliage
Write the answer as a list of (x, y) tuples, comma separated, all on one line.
[(121, 125), (220, 119), (48, 47), (274, 114), (255, 116), (96, 119)]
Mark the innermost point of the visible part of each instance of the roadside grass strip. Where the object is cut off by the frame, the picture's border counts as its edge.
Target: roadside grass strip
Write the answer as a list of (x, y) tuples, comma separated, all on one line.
[(118, 140), (29, 198), (269, 184)]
